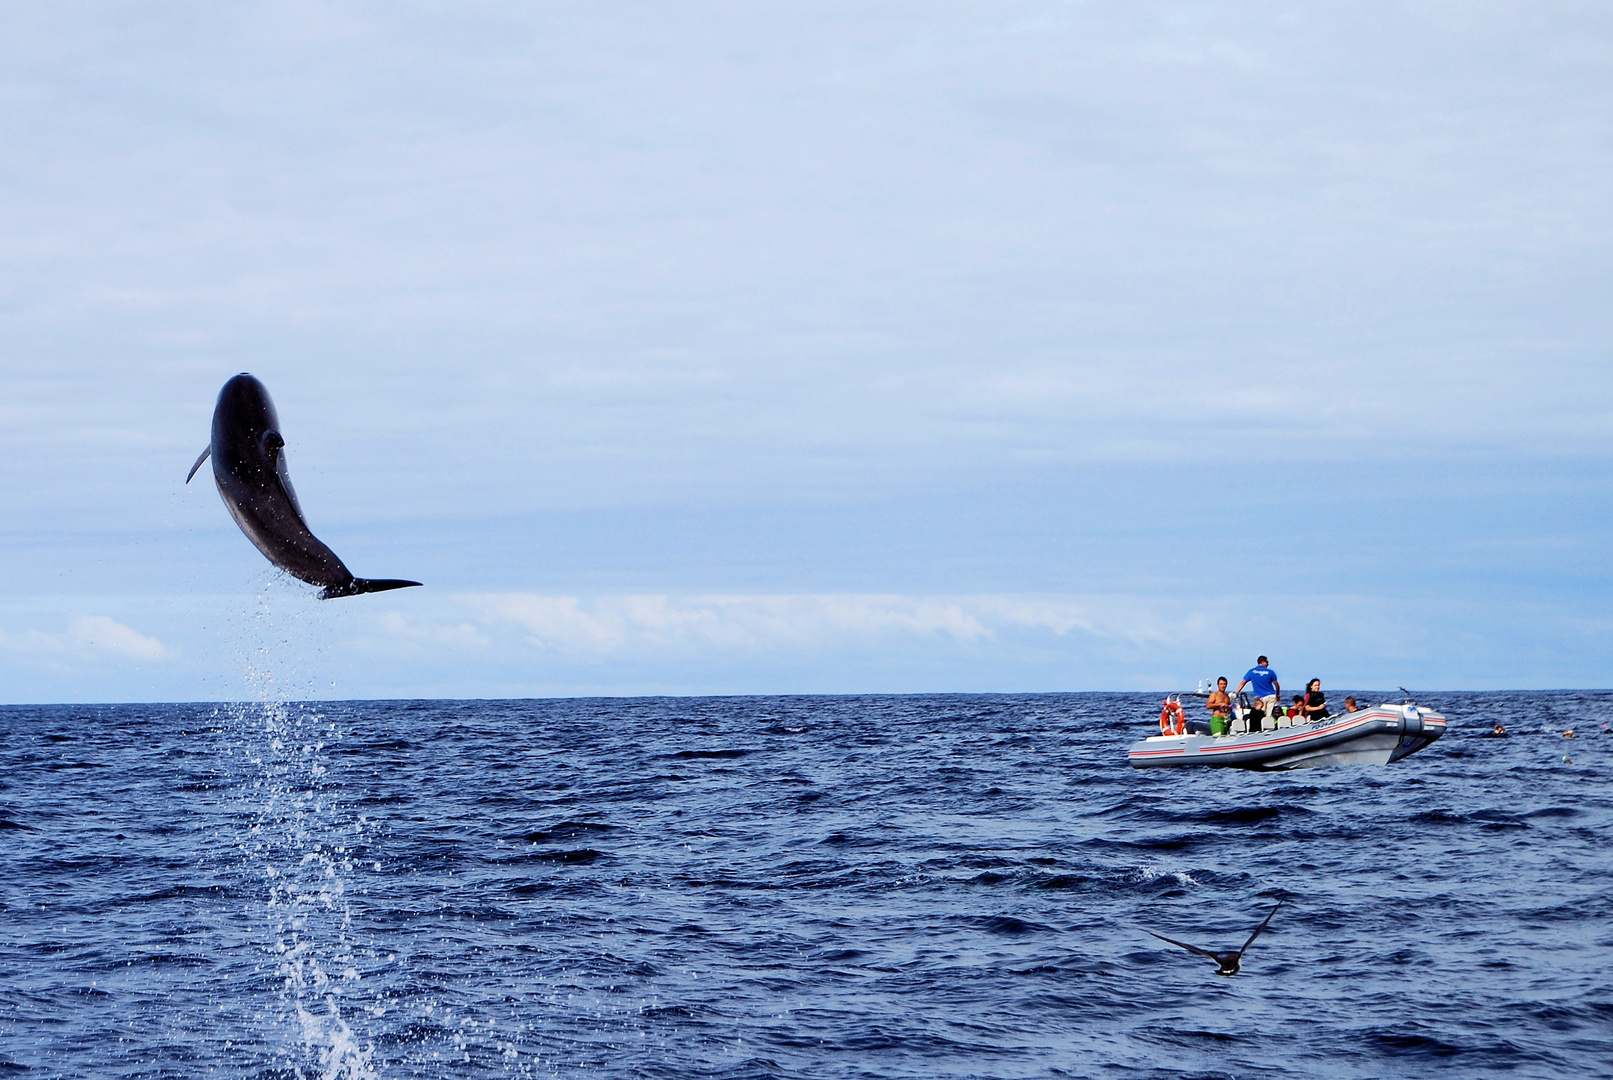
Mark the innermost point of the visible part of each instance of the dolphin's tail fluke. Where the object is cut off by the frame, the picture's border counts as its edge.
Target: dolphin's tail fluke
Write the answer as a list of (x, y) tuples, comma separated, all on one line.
[(363, 585)]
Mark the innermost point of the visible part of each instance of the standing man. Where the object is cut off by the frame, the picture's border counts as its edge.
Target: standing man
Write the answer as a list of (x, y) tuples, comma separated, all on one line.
[(1220, 705), (1263, 681)]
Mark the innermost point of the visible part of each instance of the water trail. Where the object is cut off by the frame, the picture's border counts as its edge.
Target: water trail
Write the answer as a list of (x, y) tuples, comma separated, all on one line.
[(303, 845), (299, 842)]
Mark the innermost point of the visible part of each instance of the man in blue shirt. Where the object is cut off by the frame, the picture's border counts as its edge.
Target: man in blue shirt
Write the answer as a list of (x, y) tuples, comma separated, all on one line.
[(1263, 681)]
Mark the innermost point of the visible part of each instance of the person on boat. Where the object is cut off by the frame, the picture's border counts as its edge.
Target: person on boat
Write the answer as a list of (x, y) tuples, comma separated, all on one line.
[(1296, 711), (1316, 701), (1263, 681), (1220, 705)]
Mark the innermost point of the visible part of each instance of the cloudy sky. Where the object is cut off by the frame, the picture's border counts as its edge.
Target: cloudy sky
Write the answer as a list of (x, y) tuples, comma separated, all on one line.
[(817, 348)]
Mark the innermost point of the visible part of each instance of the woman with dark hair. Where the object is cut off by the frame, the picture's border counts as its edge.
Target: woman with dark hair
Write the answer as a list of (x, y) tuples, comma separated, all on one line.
[(1315, 702)]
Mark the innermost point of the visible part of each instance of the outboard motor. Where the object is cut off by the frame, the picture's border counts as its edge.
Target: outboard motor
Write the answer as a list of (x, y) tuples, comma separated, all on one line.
[(1411, 720)]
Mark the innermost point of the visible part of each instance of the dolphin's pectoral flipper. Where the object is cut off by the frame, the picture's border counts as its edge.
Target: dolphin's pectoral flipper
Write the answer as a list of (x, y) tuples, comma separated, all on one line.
[(364, 585), (205, 454)]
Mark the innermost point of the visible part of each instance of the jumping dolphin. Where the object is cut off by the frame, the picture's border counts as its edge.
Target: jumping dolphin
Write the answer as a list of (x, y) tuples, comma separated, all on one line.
[(249, 465), (1228, 961)]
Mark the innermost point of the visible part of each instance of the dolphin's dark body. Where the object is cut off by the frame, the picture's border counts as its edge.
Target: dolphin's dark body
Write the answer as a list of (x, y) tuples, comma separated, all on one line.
[(1227, 963), (249, 466)]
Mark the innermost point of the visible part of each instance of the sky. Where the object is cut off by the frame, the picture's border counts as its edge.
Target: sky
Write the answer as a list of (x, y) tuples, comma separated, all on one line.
[(811, 348)]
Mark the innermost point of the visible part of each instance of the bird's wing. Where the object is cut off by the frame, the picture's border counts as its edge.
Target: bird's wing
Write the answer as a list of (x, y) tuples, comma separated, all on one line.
[(199, 461), (1259, 928), (1185, 945)]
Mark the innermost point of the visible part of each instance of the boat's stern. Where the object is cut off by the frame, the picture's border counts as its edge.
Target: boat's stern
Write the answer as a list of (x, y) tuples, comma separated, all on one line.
[(1419, 727)]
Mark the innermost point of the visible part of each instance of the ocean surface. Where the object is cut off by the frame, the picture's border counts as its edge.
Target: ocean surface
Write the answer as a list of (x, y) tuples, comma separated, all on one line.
[(925, 886)]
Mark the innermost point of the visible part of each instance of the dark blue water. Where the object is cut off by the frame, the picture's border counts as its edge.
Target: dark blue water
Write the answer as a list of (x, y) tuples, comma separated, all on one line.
[(816, 887)]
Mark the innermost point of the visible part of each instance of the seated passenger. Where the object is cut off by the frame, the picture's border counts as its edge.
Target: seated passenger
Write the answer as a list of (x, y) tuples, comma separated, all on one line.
[(1350, 705), (1316, 702), (1297, 709), (1220, 705)]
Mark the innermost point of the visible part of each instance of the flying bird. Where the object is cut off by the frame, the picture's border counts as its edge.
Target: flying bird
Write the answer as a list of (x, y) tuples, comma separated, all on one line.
[(1228, 961), (249, 466)]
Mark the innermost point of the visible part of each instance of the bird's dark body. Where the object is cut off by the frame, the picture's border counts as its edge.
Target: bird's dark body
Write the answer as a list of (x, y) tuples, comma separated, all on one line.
[(249, 466)]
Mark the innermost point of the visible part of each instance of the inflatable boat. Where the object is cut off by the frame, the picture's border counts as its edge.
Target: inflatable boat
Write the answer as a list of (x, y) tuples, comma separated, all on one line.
[(1373, 736)]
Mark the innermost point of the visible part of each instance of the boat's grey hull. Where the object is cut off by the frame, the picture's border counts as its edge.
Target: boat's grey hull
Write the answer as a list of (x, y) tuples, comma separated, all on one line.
[(1370, 737)]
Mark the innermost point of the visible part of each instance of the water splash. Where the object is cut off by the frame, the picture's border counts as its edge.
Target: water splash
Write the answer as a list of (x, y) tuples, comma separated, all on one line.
[(339, 1055), (300, 840), (1153, 872), (305, 840)]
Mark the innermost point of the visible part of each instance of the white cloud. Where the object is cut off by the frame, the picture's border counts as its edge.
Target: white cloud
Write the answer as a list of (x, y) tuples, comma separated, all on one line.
[(611, 625), (103, 633), (972, 245), (1121, 618), (86, 635), (614, 623), (462, 635), (32, 643)]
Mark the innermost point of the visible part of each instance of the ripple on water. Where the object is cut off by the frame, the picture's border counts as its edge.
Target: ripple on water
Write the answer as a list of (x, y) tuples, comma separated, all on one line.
[(866, 886)]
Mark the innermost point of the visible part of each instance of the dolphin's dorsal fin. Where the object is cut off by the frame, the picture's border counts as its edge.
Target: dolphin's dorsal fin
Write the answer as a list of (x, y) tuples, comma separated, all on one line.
[(199, 461)]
